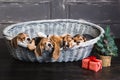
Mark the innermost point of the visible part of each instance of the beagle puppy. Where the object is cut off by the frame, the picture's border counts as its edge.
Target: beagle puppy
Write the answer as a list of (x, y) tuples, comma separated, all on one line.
[(51, 44), (35, 41), (23, 40), (79, 38), (44, 44), (68, 41)]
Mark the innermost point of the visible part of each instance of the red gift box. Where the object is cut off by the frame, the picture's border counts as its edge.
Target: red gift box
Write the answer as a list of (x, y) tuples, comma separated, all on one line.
[(92, 63)]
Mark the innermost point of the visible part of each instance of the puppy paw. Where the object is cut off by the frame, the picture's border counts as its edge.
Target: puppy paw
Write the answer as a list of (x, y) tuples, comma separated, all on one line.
[(31, 47)]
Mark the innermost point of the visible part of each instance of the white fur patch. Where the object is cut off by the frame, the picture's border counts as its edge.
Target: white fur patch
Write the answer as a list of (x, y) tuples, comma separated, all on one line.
[(40, 34)]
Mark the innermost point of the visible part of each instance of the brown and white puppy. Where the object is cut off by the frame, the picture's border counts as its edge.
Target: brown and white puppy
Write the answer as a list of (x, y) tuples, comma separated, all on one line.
[(23, 40), (68, 41), (44, 44), (51, 44), (79, 38)]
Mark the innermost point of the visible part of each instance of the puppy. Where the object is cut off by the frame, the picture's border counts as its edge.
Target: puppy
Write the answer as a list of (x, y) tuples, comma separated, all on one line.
[(78, 39), (36, 40), (68, 41), (23, 40), (44, 44), (51, 44)]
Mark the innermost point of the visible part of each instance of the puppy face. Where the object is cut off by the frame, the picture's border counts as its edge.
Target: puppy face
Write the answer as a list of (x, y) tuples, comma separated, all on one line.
[(68, 41), (44, 44), (22, 37), (78, 39), (51, 44)]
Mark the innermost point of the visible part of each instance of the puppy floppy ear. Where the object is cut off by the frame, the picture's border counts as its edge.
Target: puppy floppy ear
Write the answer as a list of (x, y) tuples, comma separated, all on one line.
[(56, 51), (14, 42), (39, 49), (84, 39)]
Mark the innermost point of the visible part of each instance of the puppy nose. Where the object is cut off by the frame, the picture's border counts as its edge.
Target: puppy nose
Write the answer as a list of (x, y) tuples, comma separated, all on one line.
[(49, 45), (67, 45), (28, 39), (78, 43)]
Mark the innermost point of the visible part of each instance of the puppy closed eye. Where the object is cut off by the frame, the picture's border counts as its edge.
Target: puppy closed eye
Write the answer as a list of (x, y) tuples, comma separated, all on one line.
[(21, 39)]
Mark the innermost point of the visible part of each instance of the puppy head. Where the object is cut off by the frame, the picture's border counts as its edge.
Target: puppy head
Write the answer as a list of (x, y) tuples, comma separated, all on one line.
[(67, 41), (45, 44), (22, 37), (78, 38)]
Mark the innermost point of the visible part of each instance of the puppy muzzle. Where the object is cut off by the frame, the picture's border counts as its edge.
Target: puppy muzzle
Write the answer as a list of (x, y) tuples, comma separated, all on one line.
[(27, 40), (48, 46)]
